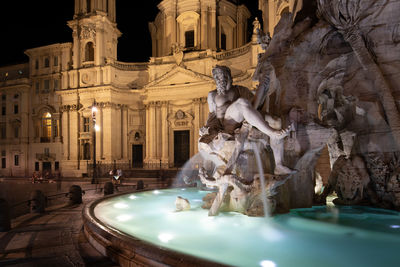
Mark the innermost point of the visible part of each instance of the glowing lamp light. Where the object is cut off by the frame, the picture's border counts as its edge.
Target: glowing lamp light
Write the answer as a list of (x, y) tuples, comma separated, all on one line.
[(97, 128), (94, 109), (395, 226), (267, 263), (165, 237)]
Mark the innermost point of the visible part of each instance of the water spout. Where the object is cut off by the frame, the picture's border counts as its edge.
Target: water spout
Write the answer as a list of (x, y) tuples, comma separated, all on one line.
[(267, 212)]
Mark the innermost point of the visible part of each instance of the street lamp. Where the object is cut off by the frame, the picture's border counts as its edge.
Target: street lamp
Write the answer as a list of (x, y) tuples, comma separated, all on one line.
[(95, 129)]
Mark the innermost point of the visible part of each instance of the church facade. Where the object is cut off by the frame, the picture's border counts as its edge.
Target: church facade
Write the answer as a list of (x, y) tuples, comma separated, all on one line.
[(149, 114)]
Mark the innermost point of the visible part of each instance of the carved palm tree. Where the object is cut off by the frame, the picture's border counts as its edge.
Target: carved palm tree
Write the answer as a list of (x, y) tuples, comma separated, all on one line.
[(345, 16)]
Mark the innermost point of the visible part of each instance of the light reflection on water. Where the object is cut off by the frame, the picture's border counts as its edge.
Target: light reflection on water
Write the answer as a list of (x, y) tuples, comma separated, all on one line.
[(348, 236)]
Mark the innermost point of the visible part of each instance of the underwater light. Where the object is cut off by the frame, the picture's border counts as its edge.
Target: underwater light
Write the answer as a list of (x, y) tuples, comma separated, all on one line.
[(165, 237), (267, 263)]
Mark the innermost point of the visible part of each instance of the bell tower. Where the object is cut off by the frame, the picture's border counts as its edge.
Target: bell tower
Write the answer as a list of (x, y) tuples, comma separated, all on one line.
[(95, 34)]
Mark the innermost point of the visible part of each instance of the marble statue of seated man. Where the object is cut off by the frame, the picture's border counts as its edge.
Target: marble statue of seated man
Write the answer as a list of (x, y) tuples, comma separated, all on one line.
[(230, 105)]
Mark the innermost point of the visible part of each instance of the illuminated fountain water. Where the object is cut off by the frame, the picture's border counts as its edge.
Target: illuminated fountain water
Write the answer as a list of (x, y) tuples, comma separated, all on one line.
[(324, 79), (145, 228), (347, 236)]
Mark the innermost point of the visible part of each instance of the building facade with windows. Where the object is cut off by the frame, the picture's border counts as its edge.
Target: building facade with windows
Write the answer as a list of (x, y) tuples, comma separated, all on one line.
[(149, 114)]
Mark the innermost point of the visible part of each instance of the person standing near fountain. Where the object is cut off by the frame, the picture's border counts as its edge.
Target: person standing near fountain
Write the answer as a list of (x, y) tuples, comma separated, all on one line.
[(230, 105)]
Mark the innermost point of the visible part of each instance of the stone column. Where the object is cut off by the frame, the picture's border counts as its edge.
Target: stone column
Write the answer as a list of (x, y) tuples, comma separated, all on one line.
[(170, 30), (111, 10), (204, 27), (164, 48), (77, 7), (76, 52), (164, 134), (147, 156), (65, 133), (100, 137), (152, 133), (239, 30), (213, 35), (73, 133), (158, 122), (107, 131), (124, 137), (99, 48), (271, 16)]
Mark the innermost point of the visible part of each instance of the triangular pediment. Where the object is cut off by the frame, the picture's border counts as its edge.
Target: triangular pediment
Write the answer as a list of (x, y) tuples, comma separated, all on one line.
[(178, 76)]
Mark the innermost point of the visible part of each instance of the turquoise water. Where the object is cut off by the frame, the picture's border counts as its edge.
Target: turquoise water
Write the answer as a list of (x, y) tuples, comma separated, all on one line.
[(320, 236)]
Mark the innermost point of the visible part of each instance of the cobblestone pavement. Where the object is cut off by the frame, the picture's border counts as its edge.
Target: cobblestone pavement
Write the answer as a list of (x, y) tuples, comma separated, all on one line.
[(54, 238)]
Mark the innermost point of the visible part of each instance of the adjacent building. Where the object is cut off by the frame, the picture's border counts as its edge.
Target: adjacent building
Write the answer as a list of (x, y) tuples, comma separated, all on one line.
[(149, 114)]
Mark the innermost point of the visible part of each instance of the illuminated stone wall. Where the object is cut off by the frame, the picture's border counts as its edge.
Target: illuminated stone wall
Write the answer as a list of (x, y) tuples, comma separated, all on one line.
[(138, 103)]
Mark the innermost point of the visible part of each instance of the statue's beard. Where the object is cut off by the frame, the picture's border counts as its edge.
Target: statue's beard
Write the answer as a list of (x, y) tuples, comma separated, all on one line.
[(222, 88)]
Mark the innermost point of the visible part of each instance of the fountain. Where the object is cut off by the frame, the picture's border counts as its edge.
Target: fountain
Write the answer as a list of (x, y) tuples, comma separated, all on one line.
[(323, 83)]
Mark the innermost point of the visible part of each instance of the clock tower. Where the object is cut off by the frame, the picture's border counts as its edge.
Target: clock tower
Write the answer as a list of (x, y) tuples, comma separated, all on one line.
[(95, 33)]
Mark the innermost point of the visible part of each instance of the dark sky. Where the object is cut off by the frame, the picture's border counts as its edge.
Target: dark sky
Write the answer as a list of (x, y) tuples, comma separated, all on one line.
[(29, 24)]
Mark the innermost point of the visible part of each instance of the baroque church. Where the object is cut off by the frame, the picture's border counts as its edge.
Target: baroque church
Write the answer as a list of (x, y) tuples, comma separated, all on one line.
[(148, 113)]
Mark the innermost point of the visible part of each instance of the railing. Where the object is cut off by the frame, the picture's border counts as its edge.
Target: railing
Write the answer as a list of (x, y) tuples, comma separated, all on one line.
[(51, 198), (234, 52), (129, 66)]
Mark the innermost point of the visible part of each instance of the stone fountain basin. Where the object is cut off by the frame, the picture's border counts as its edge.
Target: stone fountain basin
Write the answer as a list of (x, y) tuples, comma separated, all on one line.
[(144, 229)]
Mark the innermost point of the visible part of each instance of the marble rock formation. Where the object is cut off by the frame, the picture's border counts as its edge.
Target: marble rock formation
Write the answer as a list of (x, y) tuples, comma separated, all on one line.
[(182, 204), (337, 67), (330, 72)]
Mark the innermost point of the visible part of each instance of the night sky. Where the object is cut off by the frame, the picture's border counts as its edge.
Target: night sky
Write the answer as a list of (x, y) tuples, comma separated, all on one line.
[(29, 24)]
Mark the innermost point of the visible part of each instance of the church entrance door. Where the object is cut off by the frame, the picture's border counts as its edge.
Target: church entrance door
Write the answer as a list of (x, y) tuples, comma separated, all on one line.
[(137, 156), (181, 147)]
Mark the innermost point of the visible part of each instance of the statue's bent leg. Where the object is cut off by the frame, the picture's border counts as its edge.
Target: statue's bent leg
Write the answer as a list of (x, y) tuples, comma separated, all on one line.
[(241, 110), (277, 147)]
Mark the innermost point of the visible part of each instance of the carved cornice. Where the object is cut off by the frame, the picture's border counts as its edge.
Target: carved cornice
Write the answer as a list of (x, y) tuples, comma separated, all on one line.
[(156, 104), (74, 107), (111, 105), (200, 100)]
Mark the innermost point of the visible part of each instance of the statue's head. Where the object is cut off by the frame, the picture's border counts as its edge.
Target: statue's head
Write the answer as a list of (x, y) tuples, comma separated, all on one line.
[(223, 78)]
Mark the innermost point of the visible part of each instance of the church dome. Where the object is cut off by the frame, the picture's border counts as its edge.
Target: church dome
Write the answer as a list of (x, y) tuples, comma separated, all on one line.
[(198, 25)]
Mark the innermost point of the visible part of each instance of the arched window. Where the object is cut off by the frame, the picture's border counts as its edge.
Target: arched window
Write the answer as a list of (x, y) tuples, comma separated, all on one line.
[(189, 39), (46, 128), (89, 52)]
